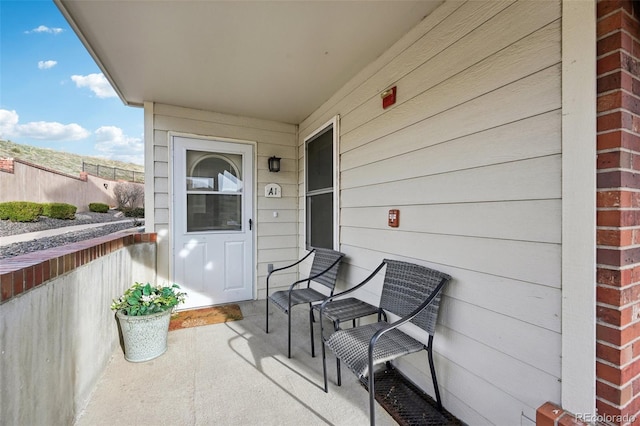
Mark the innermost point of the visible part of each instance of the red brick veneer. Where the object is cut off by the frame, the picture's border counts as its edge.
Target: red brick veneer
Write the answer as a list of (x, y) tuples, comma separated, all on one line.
[(618, 212), (7, 165), (22, 273), (551, 415)]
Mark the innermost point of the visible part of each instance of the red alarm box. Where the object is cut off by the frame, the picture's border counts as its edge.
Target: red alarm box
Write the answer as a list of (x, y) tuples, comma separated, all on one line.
[(394, 218)]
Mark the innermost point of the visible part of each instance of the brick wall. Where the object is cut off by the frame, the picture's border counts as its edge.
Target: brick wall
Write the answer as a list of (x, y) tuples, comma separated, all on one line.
[(618, 212), (26, 272), (6, 165)]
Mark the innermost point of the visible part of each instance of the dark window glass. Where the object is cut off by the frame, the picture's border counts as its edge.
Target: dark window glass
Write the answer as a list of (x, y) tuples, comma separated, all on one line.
[(320, 162), (320, 213), (319, 190)]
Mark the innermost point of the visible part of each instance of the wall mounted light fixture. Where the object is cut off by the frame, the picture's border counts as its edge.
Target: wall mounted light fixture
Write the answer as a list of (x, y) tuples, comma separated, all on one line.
[(274, 164)]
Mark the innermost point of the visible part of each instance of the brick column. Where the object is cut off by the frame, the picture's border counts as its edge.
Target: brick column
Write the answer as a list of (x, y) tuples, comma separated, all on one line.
[(7, 165), (618, 212)]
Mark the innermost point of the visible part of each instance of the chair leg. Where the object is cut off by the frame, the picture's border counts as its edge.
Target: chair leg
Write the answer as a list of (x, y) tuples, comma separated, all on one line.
[(324, 365), (372, 400), (311, 321), (433, 372), (289, 333), (336, 326), (266, 322), (372, 391), (324, 356)]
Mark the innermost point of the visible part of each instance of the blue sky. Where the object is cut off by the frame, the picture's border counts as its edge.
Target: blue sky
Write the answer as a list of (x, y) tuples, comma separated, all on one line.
[(52, 93)]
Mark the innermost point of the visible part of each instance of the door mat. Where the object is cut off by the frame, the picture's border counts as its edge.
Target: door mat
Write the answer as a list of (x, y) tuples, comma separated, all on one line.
[(407, 404), (205, 316)]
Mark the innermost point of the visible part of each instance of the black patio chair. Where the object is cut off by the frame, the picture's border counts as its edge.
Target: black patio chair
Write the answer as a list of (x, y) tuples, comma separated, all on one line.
[(411, 292), (324, 271), (338, 311)]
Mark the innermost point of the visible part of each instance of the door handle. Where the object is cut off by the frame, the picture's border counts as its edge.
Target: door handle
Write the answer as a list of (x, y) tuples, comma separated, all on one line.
[(250, 224)]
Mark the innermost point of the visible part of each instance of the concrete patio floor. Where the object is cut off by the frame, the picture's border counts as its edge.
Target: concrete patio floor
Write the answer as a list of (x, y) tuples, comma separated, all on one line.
[(231, 374)]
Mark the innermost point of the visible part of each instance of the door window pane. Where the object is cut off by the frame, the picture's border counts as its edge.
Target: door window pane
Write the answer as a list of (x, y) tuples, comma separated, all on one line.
[(214, 212), (214, 191), (213, 172)]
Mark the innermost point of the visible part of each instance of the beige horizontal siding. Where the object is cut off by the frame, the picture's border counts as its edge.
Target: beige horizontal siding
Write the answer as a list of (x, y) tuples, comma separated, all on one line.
[(509, 220), (471, 155)]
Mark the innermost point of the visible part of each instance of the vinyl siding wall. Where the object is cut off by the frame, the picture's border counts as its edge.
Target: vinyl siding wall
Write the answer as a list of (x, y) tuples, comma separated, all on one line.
[(276, 237), (471, 156)]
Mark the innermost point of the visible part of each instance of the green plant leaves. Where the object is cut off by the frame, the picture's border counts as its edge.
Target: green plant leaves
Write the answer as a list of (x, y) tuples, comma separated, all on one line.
[(146, 299), (146, 290)]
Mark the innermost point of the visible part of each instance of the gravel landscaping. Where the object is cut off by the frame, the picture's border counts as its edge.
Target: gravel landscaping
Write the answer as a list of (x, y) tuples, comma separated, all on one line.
[(8, 228)]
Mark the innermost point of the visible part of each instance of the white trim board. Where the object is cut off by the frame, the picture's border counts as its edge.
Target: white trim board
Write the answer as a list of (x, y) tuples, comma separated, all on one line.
[(578, 205)]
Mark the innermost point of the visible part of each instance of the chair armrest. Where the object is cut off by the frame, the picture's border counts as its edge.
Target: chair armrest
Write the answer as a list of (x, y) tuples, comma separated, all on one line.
[(286, 267), (308, 279), (404, 320), (293, 264), (357, 286), (292, 286)]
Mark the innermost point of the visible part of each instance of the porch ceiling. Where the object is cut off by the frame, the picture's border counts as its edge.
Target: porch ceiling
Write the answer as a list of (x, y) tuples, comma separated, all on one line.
[(277, 60)]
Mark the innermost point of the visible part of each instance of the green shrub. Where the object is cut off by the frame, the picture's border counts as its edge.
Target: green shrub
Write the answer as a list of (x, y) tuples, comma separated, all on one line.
[(135, 212), (59, 210), (20, 211), (98, 207), (4, 211)]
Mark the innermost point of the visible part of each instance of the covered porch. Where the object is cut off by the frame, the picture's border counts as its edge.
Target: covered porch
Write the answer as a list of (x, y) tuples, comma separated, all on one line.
[(231, 373), (488, 153)]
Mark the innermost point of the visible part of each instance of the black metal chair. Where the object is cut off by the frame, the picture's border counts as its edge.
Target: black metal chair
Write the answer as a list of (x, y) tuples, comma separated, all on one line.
[(338, 311), (324, 271), (411, 292)]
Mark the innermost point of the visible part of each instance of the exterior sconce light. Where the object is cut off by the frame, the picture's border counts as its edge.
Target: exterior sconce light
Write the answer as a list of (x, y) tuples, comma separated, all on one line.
[(274, 164)]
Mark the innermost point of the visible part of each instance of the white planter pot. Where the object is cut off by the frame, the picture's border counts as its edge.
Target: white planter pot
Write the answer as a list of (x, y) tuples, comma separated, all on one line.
[(145, 337)]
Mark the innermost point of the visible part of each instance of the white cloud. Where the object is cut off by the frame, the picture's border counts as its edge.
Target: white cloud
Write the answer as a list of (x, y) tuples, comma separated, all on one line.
[(42, 130), (111, 141), (45, 29), (51, 130), (97, 83), (8, 122), (43, 65)]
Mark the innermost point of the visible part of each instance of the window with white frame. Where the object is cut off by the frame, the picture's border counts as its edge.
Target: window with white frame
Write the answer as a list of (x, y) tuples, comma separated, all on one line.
[(321, 201)]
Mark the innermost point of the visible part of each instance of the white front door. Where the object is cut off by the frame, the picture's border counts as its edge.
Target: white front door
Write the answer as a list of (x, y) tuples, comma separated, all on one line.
[(212, 220)]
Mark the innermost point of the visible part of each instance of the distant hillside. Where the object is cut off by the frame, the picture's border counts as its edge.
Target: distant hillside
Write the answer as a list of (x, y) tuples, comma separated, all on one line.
[(61, 161)]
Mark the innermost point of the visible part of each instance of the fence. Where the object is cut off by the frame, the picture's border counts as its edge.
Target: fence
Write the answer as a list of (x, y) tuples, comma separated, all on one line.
[(113, 173), (24, 181)]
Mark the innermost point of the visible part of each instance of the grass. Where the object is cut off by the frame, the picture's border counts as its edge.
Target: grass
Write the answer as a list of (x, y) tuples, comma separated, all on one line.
[(61, 161)]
